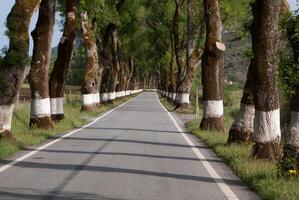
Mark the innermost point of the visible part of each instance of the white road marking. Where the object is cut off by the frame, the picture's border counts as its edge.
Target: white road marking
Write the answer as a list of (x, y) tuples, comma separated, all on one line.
[(229, 194), (28, 155)]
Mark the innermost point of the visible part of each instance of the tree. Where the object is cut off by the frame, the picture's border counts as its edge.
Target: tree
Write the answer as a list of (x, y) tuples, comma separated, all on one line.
[(265, 43), (242, 129), (15, 64), (212, 69), (179, 52), (90, 88), (40, 110), (289, 70), (195, 31), (61, 66)]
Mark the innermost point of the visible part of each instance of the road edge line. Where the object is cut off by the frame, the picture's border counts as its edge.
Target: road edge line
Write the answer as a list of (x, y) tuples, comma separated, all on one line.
[(229, 194), (31, 153)]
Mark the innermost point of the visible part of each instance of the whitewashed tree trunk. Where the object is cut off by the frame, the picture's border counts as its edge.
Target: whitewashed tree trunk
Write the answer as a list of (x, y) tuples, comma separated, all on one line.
[(265, 43), (12, 73), (40, 109), (242, 128)]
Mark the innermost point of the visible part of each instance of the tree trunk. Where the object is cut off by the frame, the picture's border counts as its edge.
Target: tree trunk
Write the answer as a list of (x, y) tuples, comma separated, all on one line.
[(90, 90), (212, 69), (106, 62), (291, 149), (130, 77), (172, 88), (61, 66), (265, 37), (14, 66), (178, 49), (123, 79), (115, 65), (242, 128), (40, 112), (193, 59)]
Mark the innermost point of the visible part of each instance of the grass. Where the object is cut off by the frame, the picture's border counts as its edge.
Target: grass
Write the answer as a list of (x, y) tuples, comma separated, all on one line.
[(171, 107), (29, 137), (261, 176)]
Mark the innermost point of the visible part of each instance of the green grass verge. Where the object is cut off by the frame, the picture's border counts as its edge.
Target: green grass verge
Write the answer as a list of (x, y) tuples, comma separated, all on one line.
[(29, 137), (261, 176)]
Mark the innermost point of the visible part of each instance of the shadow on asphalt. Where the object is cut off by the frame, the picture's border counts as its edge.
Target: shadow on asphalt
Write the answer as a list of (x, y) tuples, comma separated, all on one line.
[(129, 154), (135, 141), (77, 168), (30, 194)]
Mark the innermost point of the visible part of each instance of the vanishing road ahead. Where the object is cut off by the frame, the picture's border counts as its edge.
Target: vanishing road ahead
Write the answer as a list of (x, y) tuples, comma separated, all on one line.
[(136, 151)]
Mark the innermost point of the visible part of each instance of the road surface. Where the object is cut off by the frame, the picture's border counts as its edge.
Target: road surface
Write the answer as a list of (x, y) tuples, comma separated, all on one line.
[(137, 151)]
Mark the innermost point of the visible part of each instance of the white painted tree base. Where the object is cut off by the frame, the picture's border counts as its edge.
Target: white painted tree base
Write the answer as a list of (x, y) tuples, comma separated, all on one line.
[(111, 96), (87, 99), (182, 98), (40, 108), (213, 109), (293, 130), (6, 112), (245, 118), (96, 98), (104, 97), (57, 106), (267, 126)]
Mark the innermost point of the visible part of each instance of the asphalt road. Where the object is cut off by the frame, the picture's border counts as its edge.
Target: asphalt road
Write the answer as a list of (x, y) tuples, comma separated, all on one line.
[(137, 151)]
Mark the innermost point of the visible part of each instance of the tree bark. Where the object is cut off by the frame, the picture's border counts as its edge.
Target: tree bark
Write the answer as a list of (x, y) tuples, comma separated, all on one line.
[(193, 59), (212, 69), (130, 81), (40, 112), (106, 62), (115, 65), (14, 66), (90, 90), (178, 49), (61, 66), (265, 37), (172, 86), (291, 149), (242, 129)]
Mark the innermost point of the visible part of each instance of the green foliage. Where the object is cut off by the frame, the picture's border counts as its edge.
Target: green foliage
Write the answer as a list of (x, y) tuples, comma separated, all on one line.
[(289, 63)]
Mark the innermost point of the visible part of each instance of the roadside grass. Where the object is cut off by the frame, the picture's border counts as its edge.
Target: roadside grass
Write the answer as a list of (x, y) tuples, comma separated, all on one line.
[(261, 176), (171, 107), (26, 137)]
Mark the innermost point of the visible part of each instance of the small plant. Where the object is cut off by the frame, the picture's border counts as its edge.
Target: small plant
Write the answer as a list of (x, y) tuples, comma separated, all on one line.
[(288, 166)]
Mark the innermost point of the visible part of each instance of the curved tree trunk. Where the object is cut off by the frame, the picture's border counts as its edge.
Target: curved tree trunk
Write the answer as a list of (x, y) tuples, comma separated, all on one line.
[(265, 36), (193, 59), (14, 66), (212, 69), (242, 128), (90, 90), (40, 112), (61, 66)]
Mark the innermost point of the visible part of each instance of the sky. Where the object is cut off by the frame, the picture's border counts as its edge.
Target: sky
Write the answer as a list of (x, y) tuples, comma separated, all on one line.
[(6, 6)]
